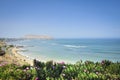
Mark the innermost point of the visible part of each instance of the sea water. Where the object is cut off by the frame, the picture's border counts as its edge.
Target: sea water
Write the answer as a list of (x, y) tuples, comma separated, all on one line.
[(72, 50)]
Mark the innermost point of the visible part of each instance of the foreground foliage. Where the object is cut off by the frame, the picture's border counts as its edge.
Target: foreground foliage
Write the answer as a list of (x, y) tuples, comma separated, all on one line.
[(105, 70), (15, 72)]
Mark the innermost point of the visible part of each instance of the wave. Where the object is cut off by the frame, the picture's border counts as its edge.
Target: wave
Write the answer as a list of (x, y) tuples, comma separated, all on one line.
[(22, 50), (75, 46)]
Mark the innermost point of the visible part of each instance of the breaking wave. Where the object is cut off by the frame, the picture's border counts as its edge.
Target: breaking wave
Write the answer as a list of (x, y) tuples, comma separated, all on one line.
[(75, 46)]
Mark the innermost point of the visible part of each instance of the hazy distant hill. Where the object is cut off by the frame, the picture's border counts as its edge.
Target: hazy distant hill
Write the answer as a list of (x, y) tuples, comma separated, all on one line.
[(38, 37)]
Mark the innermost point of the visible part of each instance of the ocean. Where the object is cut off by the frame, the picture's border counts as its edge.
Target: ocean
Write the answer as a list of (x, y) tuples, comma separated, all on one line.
[(71, 50)]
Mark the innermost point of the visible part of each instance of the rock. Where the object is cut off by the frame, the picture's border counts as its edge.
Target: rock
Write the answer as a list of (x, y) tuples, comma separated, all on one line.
[(2, 53)]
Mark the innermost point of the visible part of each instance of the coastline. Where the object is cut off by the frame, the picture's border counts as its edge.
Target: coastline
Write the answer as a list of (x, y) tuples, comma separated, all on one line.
[(21, 57), (22, 52), (12, 56), (13, 62)]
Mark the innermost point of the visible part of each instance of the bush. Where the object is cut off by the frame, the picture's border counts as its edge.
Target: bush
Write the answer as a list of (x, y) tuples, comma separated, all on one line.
[(14, 72), (106, 70)]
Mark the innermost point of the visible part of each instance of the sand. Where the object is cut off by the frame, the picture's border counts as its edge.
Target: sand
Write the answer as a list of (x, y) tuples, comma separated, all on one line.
[(13, 57), (21, 57)]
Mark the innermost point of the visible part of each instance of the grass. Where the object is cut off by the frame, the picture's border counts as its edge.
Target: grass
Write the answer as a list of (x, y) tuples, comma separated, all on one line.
[(105, 70)]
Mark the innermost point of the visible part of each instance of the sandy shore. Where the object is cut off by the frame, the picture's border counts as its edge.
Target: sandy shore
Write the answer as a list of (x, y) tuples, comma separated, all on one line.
[(13, 57), (20, 57)]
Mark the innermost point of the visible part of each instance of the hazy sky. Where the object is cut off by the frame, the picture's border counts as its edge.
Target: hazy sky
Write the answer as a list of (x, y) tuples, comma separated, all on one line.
[(60, 18)]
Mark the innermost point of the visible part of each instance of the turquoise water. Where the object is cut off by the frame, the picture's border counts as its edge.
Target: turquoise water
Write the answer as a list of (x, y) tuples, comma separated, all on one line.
[(72, 50)]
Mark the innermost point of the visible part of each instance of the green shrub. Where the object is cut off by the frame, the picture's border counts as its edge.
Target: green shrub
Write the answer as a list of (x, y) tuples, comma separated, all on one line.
[(14, 72), (106, 70)]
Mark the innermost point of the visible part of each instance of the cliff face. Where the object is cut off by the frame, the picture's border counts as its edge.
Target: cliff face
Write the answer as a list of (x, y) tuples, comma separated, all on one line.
[(38, 37)]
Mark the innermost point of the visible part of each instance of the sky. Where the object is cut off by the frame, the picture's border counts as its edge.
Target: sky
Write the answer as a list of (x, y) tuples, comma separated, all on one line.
[(60, 18)]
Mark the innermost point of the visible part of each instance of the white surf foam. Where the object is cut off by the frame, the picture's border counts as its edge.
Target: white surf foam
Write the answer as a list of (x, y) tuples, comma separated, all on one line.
[(75, 46)]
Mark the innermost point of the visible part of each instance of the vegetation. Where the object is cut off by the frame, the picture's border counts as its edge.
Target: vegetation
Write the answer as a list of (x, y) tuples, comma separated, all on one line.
[(15, 72), (105, 70)]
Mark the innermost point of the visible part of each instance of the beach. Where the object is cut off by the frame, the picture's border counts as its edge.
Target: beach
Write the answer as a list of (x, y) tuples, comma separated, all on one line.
[(20, 57), (12, 56)]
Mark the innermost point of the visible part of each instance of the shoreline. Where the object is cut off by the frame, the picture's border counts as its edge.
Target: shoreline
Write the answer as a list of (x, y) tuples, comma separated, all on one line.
[(29, 60), (12, 56), (21, 57), (15, 56)]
